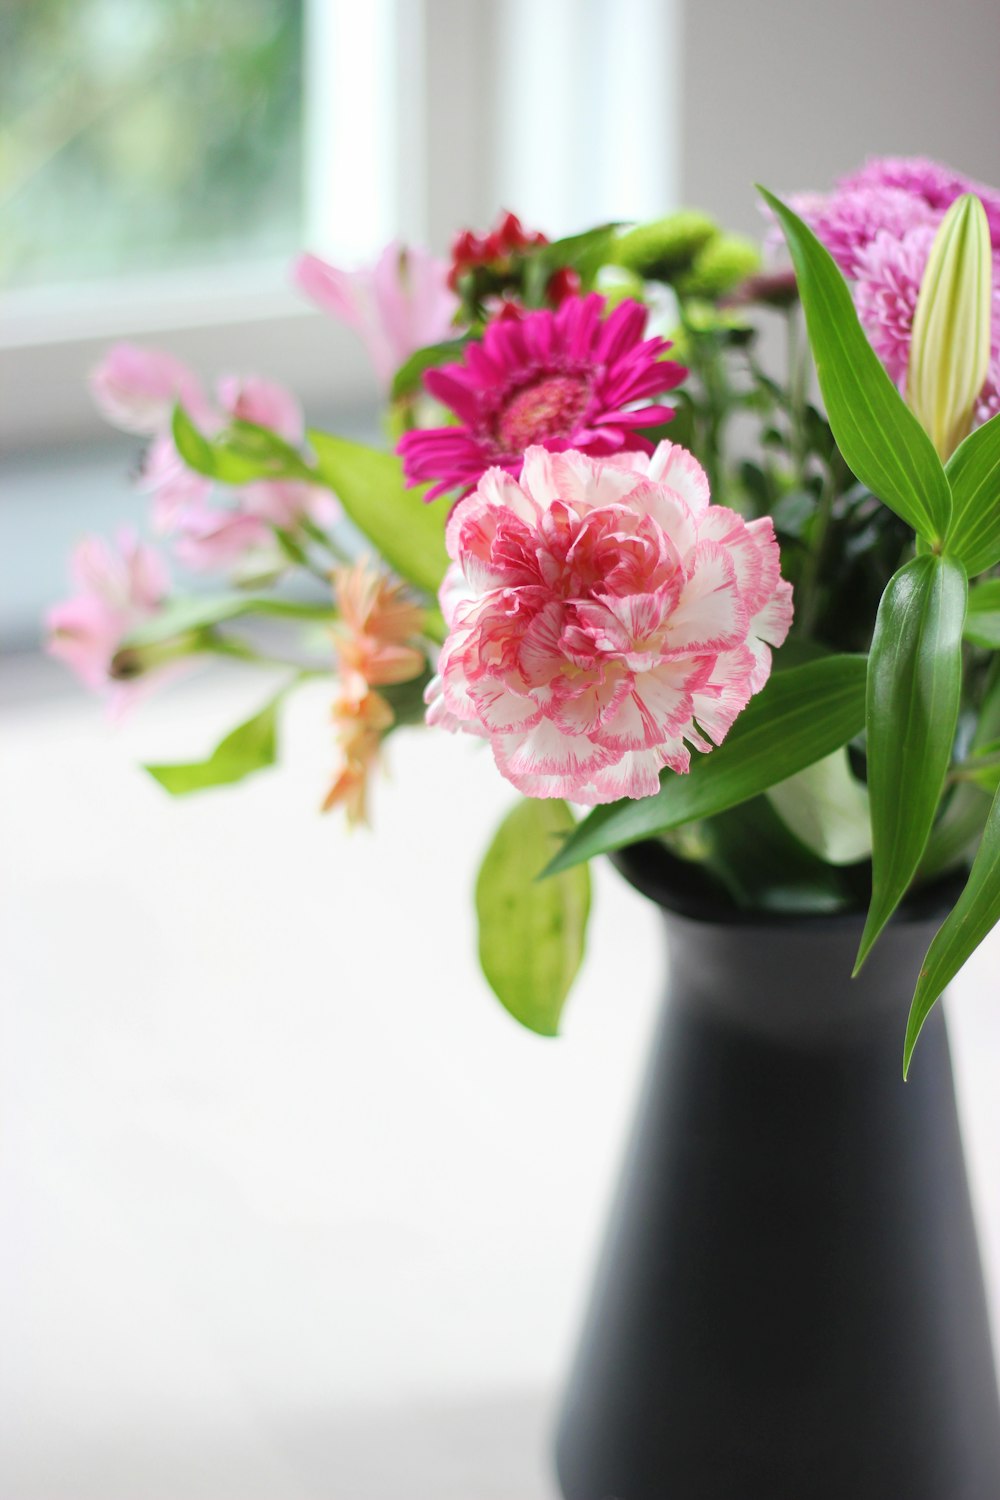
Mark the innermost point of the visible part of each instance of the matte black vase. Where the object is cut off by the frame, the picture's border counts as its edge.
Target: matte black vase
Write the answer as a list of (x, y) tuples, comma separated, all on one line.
[(790, 1301)]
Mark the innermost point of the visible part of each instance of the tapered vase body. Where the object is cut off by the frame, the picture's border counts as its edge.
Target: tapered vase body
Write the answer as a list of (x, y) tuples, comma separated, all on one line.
[(790, 1303)]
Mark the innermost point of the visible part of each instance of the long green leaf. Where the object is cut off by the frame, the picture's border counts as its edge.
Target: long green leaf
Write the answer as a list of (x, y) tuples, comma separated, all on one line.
[(976, 913), (531, 936), (204, 611), (409, 377), (879, 437), (974, 475), (914, 690), (249, 747), (982, 623), (800, 716), (370, 486), (244, 453)]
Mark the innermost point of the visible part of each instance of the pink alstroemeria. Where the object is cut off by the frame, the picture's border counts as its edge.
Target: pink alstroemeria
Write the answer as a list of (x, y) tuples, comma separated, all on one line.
[(397, 306), (118, 588), (278, 502), (602, 618), (136, 389)]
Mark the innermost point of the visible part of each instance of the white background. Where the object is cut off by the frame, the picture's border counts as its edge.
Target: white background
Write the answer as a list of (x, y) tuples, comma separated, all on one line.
[(289, 1207)]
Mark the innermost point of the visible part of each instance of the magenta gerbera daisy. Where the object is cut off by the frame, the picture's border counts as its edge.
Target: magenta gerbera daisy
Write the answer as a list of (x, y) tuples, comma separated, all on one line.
[(572, 378)]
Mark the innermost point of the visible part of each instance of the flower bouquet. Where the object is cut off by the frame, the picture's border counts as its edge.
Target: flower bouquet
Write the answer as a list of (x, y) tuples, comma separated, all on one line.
[(713, 616), (592, 578)]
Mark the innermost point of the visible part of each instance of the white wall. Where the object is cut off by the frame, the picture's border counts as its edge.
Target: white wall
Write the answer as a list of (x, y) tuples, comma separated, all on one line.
[(794, 92)]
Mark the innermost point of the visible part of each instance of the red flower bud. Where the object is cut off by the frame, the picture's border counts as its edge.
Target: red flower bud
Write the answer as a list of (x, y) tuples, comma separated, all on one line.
[(563, 283)]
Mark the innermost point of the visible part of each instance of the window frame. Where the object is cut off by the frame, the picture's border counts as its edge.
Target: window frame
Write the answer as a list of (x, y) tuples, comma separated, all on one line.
[(446, 61)]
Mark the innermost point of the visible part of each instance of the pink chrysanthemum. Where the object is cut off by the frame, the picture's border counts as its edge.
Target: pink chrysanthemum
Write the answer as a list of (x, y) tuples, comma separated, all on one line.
[(847, 222), (889, 272), (933, 182), (602, 618), (564, 379)]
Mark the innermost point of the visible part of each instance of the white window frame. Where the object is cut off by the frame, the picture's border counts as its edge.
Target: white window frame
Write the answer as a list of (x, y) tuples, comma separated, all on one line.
[(440, 137), (245, 317)]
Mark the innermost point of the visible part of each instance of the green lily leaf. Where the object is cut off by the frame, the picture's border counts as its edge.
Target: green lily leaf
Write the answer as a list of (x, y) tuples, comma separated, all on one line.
[(249, 747), (827, 809), (202, 612), (914, 690), (976, 913), (531, 936), (957, 832), (585, 253), (879, 437), (761, 864), (243, 454), (370, 486), (802, 715), (409, 377), (982, 623), (974, 475)]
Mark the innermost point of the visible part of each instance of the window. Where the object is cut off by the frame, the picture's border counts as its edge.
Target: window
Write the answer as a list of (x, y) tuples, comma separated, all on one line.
[(162, 160), (141, 135)]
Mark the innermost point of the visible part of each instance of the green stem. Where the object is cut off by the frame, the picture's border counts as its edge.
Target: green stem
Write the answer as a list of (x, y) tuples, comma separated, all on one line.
[(798, 376), (812, 572), (323, 539)]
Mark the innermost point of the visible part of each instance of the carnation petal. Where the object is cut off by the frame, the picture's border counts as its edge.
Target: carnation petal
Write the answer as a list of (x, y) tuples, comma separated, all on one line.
[(710, 615), (675, 467)]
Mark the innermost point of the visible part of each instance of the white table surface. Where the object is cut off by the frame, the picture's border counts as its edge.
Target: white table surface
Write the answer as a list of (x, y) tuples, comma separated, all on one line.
[(289, 1207)]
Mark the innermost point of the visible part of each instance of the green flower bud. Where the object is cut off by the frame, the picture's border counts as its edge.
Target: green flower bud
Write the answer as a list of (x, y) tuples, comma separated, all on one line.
[(950, 345), (724, 263), (616, 285), (660, 250)]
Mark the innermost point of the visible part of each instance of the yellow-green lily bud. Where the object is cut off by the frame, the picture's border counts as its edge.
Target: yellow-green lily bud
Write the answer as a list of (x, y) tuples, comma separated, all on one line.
[(950, 345)]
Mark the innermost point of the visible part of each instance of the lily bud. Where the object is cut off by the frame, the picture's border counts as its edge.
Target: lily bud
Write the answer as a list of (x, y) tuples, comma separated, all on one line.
[(950, 345)]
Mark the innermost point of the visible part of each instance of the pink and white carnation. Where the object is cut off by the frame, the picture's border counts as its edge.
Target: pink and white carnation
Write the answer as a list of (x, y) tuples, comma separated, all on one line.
[(603, 619)]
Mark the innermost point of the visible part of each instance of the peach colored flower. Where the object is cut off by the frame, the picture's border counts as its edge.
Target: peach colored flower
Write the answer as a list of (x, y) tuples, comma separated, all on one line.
[(378, 626), (603, 618), (361, 719), (375, 647)]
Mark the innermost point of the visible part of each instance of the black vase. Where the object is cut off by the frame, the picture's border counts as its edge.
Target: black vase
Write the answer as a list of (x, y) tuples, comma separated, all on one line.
[(790, 1301)]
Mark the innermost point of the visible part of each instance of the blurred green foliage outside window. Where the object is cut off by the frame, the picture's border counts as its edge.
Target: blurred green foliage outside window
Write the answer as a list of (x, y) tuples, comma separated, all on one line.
[(143, 135)]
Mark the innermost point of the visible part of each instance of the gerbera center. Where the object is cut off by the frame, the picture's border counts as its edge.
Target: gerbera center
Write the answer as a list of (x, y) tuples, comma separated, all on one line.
[(548, 408)]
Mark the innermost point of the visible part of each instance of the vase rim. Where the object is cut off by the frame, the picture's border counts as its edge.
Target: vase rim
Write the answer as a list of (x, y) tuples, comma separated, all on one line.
[(681, 888)]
